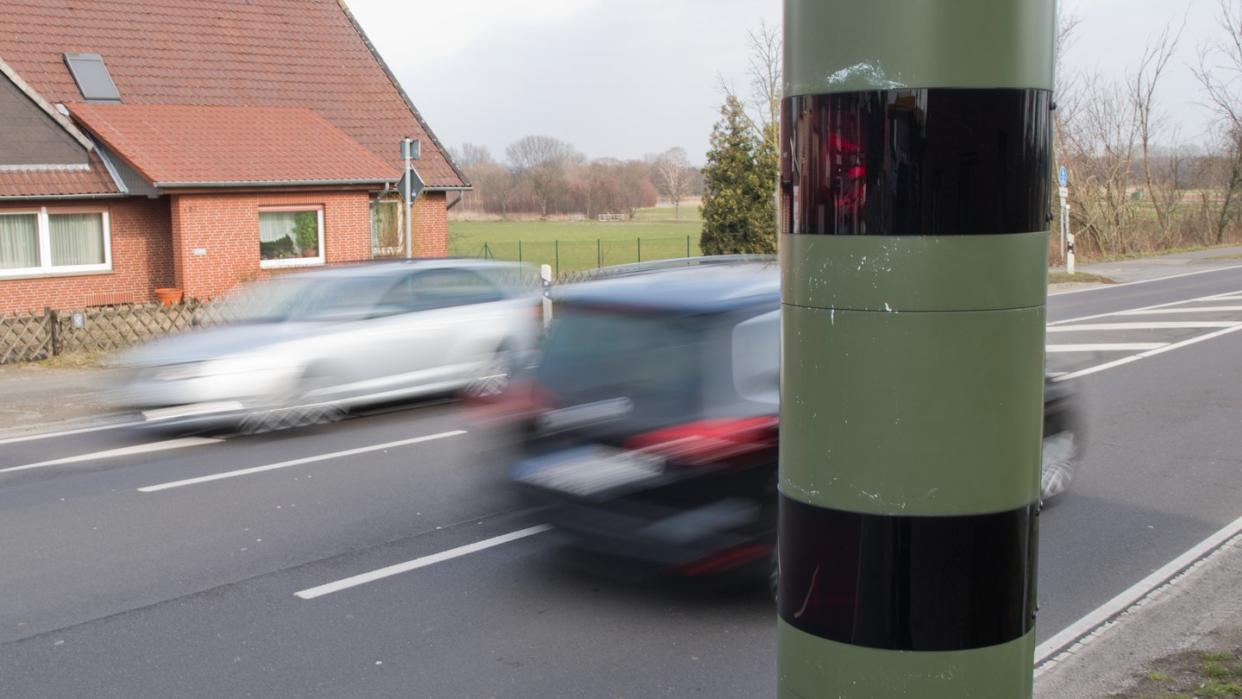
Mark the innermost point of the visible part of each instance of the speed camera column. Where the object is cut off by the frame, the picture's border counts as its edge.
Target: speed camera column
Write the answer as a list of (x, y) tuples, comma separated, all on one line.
[(915, 191)]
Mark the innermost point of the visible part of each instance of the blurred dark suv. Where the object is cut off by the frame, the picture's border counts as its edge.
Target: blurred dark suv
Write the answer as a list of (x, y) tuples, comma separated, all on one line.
[(649, 428)]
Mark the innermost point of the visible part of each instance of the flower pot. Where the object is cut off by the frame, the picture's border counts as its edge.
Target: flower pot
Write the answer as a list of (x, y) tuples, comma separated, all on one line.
[(168, 297), (310, 252)]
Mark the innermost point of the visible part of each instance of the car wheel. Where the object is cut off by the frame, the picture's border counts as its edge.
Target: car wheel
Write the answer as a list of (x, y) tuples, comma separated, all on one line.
[(774, 575), (298, 408), (494, 377), (1060, 453)]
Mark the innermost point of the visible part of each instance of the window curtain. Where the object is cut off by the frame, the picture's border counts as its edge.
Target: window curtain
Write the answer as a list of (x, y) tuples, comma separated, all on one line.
[(77, 239), (288, 233), (274, 225), (19, 241)]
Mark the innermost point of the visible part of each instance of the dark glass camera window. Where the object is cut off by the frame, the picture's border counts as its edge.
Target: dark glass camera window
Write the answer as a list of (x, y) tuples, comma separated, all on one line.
[(907, 583), (916, 162)]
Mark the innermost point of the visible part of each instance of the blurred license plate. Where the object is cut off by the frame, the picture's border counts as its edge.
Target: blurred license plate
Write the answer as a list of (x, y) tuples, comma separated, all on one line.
[(593, 470)]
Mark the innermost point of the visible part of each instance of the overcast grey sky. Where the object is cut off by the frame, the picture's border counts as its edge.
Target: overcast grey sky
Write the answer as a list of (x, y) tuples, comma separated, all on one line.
[(622, 79)]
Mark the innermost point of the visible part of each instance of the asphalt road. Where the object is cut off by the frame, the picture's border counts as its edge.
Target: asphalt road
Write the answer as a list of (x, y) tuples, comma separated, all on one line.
[(138, 565)]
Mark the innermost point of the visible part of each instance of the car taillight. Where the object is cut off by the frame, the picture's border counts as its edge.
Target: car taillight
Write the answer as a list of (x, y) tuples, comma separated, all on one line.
[(709, 441), (524, 398)]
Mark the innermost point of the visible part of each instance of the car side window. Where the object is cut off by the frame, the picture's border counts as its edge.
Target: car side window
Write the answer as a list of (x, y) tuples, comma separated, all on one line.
[(445, 288), (403, 295), (757, 356)]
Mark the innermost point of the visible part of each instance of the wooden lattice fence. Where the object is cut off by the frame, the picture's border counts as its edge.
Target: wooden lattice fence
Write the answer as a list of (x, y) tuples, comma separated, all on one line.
[(25, 338), (35, 336)]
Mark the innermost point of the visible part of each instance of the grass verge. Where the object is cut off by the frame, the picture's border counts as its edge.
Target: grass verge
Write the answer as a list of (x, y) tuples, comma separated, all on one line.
[(1196, 673), (1055, 277)]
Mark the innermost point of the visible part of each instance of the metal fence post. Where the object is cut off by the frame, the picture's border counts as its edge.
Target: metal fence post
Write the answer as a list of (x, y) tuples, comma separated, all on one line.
[(599, 254), (687, 246), (519, 251), (556, 245), (640, 249)]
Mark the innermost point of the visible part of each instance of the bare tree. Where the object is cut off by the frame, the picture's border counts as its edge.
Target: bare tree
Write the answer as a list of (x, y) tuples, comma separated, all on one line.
[(763, 74), (1098, 141), (674, 176), (1219, 69), (1164, 192), (542, 162)]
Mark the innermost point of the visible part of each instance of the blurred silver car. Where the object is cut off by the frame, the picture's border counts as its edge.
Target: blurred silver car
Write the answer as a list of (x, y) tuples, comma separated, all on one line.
[(305, 347)]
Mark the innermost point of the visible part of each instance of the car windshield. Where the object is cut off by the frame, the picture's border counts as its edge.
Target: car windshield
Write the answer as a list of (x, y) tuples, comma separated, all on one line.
[(652, 359), (307, 298)]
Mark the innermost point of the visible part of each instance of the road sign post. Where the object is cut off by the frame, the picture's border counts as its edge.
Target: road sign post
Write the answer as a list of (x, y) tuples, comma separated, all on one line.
[(411, 185), (915, 184)]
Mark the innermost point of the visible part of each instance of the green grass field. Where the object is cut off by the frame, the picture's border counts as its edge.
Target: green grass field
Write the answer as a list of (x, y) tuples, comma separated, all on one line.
[(570, 246)]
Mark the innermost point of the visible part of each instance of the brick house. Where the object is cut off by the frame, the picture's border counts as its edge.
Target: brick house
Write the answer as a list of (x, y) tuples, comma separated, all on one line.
[(195, 144)]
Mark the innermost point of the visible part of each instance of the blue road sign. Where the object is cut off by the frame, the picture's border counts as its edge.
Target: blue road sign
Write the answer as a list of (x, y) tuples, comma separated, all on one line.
[(1063, 176)]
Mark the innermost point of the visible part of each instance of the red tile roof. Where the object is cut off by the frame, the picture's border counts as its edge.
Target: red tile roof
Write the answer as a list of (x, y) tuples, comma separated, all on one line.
[(24, 183), (174, 145), (274, 53)]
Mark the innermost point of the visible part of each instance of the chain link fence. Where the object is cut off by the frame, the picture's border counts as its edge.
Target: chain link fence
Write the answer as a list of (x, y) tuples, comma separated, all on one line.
[(26, 337), (572, 256)]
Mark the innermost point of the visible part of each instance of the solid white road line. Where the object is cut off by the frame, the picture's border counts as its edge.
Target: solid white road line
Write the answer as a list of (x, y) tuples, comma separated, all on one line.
[(1114, 607), (1106, 347), (1144, 355), (450, 554), (1147, 281), (116, 453), (1196, 309), (66, 433), (1154, 325), (298, 462), (1143, 308)]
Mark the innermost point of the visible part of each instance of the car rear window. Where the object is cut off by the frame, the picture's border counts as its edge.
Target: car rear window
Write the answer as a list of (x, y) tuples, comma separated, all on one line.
[(652, 359)]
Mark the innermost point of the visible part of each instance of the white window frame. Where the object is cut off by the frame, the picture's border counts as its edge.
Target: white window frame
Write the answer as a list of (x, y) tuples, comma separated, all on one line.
[(295, 261), (46, 268)]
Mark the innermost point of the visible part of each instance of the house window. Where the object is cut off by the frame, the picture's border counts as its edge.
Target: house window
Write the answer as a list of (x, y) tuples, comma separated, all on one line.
[(289, 237), (59, 241)]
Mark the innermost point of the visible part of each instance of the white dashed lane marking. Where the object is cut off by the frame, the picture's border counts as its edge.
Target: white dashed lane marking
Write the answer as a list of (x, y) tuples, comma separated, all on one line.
[(297, 462), (423, 562), (117, 453)]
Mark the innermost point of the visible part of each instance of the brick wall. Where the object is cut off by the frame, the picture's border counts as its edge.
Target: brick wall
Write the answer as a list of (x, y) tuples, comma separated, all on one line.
[(141, 260), (429, 225), (226, 226), (153, 242)]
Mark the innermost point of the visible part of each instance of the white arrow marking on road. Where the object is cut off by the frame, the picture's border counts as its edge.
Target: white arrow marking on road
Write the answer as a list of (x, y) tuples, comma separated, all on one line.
[(115, 453), (297, 462), (1213, 297), (397, 569), (1143, 355), (1107, 347), (1154, 325), (1196, 309)]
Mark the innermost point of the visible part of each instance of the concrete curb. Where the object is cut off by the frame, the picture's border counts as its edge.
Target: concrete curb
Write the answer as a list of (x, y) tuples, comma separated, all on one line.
[(1173, 618)]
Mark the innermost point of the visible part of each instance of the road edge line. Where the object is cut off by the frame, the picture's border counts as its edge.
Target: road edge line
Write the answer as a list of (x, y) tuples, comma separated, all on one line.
[(1077, 632)]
